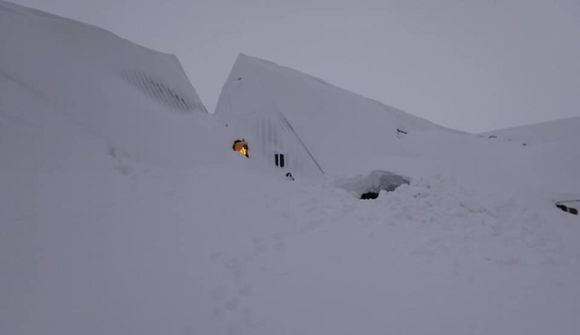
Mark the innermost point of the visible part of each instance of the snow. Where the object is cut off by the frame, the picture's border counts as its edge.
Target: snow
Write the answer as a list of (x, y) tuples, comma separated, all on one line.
[(550, 149), (124, 214), (100, 82), (561, 131), (367, 129)]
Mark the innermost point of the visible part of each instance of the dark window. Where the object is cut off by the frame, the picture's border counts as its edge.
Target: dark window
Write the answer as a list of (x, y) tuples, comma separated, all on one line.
[(279, 160)]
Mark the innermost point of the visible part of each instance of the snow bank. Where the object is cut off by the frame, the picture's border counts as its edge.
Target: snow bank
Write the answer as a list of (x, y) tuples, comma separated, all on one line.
[(342, 130), (101, 82), (560, 132), (123, 209), (347, 135), (374, 183)]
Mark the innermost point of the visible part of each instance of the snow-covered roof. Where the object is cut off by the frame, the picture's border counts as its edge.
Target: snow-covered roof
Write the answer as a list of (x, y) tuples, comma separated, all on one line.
[(119, 216), (341, 129), (101, 82)]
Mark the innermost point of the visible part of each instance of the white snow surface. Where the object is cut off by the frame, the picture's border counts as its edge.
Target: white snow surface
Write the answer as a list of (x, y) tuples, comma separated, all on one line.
[(342, 130), (123, 213), (557, 132), (99, 81)]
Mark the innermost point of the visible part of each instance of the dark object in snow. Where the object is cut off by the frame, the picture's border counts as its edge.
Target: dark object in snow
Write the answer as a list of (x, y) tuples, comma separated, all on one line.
[(399, 131), (279, 160), (524, 144), (369, 195), (567, 208), (492, 136), (239, 78), (370, 186), (289, 176)]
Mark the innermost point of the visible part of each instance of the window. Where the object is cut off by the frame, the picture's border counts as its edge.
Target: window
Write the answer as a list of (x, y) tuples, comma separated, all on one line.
[(241, 146), (279, 160)]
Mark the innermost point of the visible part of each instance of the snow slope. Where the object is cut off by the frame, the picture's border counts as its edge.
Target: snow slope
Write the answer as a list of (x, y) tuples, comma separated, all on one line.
[(124, 214), (350, 136), (324, 116), (99, 81), (552, 146), (558, 132)]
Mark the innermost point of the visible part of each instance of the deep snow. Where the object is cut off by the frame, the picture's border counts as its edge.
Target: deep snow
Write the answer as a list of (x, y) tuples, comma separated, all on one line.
[(124, 214)]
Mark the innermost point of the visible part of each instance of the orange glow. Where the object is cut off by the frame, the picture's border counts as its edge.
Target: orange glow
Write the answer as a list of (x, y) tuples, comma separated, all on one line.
[(241, 146)]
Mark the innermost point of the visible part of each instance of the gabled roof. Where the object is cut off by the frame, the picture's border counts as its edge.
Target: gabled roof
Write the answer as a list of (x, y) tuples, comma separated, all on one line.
[(342, 130)]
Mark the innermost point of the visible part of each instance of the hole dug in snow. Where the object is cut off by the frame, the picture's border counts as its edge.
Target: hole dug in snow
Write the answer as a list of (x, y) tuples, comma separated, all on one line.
[(370, 186)]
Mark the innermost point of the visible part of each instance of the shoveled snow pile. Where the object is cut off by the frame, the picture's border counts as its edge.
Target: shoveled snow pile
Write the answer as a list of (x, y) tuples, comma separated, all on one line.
[(124, 210)]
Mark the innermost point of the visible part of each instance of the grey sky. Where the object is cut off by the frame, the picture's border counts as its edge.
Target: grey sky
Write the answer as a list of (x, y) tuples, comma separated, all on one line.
[(470, 65)]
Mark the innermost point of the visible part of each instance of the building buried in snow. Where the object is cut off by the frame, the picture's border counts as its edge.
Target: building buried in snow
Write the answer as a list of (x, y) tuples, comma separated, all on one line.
[(274, 142), (299, 123)]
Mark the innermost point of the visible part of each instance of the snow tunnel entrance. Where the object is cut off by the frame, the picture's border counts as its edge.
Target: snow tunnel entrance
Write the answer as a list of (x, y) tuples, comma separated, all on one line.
[(370, 186), (369, 195)]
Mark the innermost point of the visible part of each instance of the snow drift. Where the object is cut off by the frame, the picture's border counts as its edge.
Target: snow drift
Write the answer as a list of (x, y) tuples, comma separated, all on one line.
[(339, 130), (124, 210), (103, 83), (325, 130)]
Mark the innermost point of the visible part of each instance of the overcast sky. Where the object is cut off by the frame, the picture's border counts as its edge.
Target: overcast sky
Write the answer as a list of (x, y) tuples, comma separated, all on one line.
[(470, 65)]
